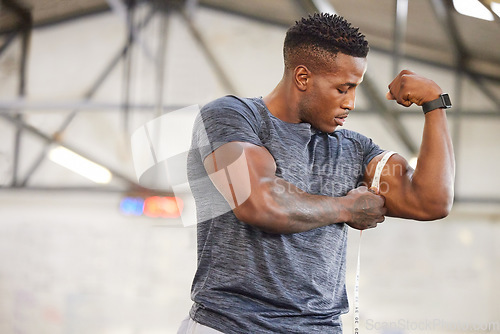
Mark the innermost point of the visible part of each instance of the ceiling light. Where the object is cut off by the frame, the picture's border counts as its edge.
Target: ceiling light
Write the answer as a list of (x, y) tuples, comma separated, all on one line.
[(79, 165), (473, 8), (495, 6)]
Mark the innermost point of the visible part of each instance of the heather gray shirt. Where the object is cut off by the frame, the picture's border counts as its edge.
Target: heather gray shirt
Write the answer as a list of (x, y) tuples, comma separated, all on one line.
[(250, 281)]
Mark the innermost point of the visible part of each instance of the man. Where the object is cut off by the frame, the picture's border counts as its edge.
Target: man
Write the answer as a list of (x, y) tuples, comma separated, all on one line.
[(277, 185)]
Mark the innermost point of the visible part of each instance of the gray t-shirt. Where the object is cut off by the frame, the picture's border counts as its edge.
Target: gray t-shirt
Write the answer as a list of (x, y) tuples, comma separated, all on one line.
[(250, 281)]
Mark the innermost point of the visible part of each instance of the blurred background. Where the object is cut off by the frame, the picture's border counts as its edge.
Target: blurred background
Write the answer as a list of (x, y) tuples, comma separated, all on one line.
[(84, 248)]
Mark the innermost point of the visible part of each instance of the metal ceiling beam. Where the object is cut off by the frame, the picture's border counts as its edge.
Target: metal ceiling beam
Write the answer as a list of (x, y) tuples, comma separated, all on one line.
[(449, 67), (87, 96), (247, 15), (477, 200), (487, 4), (25, 25), (121, 10), (444, 10), (21, 125), (121, 54), (63, 19), (190, 8), (485, 89), (17, 150), (400, 19), (270, 21), (210, 56), (161, 54), (33, 130), (8, 41), (132, 35), (20, 11), (380, 106), (7, 107)]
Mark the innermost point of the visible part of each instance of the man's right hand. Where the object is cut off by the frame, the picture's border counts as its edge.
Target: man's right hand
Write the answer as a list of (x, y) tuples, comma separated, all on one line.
[(366, 208)]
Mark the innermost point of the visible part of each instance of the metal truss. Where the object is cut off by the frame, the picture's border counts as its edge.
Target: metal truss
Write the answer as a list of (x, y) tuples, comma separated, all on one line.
[(24, 29), (17, 120), (12, 111)]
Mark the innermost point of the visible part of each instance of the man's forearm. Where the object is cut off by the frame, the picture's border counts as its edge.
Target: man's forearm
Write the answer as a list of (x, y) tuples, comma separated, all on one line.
[(284, 208), (434, 175), (300, 211), (277, 206)]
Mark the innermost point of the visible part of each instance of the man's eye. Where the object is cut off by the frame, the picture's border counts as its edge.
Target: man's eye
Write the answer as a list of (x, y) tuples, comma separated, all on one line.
[(342, 91)]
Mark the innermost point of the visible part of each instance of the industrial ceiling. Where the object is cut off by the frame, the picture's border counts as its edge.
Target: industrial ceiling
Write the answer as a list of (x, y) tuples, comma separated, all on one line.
[(427, 31)]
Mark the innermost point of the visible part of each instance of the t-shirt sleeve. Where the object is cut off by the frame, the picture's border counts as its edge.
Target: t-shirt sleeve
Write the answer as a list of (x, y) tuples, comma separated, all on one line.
[(225, 120), (370, 150)]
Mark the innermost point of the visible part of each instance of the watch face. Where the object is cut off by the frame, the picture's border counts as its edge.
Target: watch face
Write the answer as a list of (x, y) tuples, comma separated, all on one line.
[(446, 100)]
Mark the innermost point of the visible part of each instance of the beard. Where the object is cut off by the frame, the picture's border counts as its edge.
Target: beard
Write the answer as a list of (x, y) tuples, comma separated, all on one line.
[(308, 113)]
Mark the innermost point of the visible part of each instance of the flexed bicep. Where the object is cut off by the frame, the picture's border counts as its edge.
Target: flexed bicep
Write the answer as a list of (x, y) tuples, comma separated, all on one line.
[(396, 186)]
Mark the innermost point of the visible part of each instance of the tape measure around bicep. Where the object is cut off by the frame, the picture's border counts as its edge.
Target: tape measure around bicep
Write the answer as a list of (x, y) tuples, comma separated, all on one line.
[(374, 187), (378, 171)]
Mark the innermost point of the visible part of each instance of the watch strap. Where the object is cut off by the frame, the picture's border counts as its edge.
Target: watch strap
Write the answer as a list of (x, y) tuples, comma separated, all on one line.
[(443, 101)]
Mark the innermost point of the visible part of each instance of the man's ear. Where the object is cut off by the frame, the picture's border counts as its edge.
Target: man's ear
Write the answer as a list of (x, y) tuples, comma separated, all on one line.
[(301, 76)]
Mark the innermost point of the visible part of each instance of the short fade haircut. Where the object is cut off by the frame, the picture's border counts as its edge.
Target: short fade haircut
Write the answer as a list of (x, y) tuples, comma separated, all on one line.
[(315, 40)]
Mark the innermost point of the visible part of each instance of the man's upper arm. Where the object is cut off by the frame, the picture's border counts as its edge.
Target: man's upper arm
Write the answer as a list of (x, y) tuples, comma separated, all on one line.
[(239, 171), (396, 186)]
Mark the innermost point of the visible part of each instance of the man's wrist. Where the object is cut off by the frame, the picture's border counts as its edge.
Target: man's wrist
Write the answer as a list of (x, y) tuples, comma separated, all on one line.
[(442, 102), (345, 204)]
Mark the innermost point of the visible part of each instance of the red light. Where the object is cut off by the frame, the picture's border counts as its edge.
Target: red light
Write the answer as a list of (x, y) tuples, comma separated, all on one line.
[(165, 207)]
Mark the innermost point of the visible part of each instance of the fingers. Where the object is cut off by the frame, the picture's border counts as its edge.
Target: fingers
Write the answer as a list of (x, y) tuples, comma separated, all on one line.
[(399, 91), (410, 88), (405, 102), (375, 224), (400, 88), (372, 191), (367, 208)]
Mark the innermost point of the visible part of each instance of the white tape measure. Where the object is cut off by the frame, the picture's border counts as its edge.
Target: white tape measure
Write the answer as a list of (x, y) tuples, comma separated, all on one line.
[(376, 187)]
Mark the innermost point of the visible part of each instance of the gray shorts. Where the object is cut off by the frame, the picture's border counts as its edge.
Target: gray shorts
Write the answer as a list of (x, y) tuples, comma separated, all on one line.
[(189, 326)]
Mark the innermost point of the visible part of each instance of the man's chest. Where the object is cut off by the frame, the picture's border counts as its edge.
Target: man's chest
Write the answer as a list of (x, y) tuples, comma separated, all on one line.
[(321, 166)]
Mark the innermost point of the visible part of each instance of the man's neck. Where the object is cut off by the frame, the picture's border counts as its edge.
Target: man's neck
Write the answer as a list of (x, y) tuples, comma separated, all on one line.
[(282, 102)]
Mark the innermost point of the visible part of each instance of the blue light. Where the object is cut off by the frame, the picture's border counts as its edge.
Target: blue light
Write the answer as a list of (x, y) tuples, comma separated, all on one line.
[(132, 206)]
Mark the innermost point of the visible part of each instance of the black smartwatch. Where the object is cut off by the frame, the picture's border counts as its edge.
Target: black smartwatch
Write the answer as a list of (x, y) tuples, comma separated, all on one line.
[(443, 101)]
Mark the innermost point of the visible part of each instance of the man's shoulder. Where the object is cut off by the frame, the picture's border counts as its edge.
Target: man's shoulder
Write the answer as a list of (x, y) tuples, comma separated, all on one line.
[(350, 137), (230, 102), (348, 134), (233, 107)]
